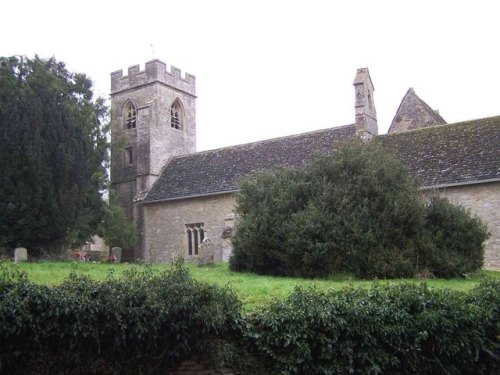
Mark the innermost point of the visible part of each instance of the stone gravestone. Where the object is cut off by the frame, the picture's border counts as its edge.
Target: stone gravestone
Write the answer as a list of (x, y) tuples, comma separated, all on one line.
[(95, 256), (206, 253), (117, 253), (20, 255)]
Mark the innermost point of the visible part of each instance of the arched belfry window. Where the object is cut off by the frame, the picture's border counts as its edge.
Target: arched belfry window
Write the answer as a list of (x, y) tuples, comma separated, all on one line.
[(176, 115), (130, 115)]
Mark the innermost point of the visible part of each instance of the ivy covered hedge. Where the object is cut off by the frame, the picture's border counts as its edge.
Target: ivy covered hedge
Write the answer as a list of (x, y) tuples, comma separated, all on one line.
[(408, 329), (149, 323), (146, 324)]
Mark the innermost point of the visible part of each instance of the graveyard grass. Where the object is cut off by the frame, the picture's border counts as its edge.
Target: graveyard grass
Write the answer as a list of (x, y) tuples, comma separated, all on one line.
[(253, 290)]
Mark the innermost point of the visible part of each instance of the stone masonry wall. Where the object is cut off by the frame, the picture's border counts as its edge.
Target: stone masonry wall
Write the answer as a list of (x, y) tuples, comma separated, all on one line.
[(165, 230), (484, 201), (413, 113), (153, 141), (165, 225)]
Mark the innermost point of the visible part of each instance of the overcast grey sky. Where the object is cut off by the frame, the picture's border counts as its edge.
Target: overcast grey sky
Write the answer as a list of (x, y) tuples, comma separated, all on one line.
[(272, 68)]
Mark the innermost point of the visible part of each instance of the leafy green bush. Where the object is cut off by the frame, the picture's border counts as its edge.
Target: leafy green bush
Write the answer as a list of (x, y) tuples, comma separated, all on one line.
[(397, 330), (148, 324), (455, 239), (355, 211), (144, 325), (265, 205)]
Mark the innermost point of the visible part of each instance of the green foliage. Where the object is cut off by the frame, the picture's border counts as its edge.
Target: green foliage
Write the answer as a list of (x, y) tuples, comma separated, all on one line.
[(266, 205), (456, 239), (53, 150), (396, 330), (144, 325), (115, 227), (356, 211), (147, 323), (254, 291)]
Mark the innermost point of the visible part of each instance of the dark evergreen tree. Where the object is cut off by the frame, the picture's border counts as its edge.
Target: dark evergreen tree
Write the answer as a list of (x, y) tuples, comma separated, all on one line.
[(53, 155), (355, 211)]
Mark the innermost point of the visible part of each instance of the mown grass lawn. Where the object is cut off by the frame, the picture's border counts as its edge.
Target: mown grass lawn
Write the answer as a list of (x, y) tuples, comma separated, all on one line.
[(253, 290)]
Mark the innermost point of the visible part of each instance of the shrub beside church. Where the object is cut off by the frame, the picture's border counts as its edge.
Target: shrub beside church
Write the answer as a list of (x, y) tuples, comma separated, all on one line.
[(355, 211)]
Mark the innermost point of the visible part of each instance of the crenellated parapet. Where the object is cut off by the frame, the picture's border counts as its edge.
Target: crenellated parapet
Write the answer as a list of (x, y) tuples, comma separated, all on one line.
[(155, 71)]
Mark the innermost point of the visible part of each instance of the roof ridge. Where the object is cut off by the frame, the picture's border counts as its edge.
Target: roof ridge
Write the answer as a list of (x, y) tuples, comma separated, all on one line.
[(260, 142)]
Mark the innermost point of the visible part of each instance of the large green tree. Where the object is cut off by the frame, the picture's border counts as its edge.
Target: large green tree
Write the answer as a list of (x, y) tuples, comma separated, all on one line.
[(355, 211), (53, 155)]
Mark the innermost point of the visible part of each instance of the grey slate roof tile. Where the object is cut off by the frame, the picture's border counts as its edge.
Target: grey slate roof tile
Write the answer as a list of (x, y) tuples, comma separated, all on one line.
[(439, 155), (218, 171), (450, 154)]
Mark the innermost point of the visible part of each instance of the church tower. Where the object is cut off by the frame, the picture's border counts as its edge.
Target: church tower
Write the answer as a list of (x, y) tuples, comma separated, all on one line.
[(153, 118), (366, 115)]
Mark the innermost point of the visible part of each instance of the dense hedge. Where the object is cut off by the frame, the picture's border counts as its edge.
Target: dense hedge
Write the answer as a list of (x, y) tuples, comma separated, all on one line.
[(148, 323), (385, 330), (355, 211)]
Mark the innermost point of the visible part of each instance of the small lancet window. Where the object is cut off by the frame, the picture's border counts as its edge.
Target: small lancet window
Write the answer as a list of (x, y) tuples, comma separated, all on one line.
[(195, 235), (176, 115), (129, 155), (130, 115), (190, 242)]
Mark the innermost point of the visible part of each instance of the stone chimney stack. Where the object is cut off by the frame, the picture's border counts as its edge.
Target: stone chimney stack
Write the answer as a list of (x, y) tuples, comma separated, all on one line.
[(366, 115)]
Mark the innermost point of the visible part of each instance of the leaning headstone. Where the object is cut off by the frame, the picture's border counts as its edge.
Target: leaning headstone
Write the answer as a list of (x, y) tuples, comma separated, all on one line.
[(20, 255), (206, 253), (116, 253)]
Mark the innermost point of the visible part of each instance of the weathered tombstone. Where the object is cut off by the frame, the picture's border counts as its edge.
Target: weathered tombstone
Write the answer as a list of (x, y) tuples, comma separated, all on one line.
[(95, 256), (116, 253), (206, 252), (20, 255)]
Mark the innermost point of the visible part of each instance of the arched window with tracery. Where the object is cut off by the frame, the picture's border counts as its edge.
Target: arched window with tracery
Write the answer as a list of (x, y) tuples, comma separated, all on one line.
[(130, 115), (195, 236), (176, 115)]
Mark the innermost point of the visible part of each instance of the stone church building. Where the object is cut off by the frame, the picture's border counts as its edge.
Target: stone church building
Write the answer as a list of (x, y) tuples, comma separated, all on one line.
[(178, 197)]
